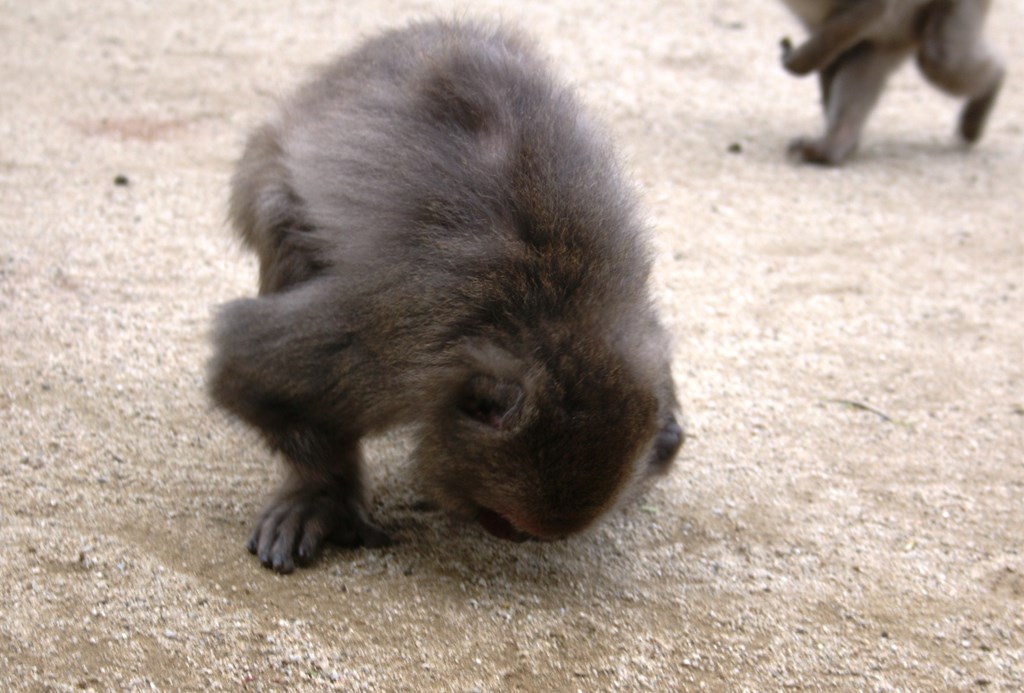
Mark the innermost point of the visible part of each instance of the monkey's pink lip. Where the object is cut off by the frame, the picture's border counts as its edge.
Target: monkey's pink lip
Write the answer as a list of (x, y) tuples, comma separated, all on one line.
[(500, 526)]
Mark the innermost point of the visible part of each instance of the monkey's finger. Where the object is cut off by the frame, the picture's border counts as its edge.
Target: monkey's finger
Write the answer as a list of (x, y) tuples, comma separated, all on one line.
[(252, 544), (314, 532), (266, 529), (281, 554)]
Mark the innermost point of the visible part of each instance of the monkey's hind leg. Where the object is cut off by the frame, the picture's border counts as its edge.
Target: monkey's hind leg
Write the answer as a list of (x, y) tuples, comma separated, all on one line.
[(269, 215), (837, 34), (850, 89), (954, 57)]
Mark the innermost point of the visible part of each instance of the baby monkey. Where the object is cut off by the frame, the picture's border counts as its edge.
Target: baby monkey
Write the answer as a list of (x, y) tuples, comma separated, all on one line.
[(444, 240), (856, 44)]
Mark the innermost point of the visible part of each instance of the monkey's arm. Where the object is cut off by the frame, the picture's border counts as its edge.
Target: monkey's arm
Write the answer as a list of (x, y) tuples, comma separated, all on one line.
[(287, 365), (838, 33)]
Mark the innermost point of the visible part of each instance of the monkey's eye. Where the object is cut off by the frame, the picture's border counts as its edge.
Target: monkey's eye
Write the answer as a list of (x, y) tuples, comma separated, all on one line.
[(489, 401)]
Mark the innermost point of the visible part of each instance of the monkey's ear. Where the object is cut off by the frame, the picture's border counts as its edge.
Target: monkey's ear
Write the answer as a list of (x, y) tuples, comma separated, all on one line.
[(487, 400)]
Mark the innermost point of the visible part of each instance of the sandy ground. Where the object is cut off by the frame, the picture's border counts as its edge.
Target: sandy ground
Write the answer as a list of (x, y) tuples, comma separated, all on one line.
[(801, 542)]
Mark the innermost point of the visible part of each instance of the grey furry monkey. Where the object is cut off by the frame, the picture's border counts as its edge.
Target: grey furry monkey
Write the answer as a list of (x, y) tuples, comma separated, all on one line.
[(444, 240), (854, 45)]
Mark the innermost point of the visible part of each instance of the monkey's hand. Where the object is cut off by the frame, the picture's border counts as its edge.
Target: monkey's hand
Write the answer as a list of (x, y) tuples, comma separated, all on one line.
[(803, 59), (793, 59), (302, 517), (787, 49)]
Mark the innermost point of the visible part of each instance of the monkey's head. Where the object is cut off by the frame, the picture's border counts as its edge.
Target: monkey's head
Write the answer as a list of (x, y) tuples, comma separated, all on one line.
[(540, 446)]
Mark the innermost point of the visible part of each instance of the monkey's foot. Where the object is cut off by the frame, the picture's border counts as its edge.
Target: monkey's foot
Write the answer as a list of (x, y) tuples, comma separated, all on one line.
[(975, 114), (295, 525), (815, 151)]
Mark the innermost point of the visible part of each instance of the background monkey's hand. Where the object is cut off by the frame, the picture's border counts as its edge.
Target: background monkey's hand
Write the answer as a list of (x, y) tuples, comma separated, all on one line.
[(787, 47)]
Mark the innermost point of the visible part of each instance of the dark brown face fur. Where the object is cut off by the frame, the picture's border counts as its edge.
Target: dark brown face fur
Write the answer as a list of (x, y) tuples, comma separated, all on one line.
[(548, 446), (444, 240)]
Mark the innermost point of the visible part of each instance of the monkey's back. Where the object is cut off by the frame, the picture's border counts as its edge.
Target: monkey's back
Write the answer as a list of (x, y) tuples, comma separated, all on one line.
[(448, 184), (898, 24)]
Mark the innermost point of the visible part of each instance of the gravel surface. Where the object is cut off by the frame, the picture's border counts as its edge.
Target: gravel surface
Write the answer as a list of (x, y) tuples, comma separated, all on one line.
[(848, 515)]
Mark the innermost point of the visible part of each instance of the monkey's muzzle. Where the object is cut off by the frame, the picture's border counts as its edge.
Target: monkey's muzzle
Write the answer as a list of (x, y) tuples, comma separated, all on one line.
[(498, 525)]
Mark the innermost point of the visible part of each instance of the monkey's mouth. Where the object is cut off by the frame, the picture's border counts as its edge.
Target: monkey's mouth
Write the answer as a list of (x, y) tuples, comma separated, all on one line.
[(500, 526)]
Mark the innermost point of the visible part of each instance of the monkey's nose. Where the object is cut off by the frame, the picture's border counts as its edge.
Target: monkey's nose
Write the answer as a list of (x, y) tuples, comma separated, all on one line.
[(666, 444)]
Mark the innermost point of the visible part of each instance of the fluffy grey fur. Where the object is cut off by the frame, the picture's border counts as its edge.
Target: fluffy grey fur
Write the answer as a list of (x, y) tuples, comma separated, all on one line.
[(444, 240)]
